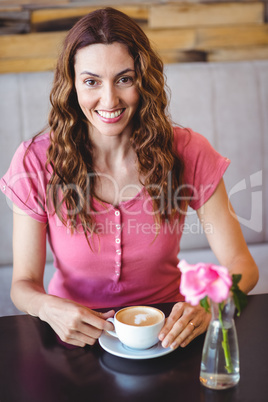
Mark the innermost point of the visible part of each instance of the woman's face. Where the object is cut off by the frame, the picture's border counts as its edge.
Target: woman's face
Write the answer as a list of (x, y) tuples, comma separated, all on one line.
[(106, 89)]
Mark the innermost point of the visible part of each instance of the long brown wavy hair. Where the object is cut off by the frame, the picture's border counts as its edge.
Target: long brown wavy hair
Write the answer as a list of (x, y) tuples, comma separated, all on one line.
[(70, 152)]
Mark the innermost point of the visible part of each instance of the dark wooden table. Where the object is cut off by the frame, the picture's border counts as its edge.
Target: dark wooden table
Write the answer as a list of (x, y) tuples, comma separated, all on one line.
[(34, 367)]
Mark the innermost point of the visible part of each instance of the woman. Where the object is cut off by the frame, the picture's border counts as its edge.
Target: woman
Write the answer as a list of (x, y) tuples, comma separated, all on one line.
[(109, 184)]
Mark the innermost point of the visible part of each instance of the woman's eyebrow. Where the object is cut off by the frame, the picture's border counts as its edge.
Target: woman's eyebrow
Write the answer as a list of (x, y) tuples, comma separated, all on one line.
[(127, 70)]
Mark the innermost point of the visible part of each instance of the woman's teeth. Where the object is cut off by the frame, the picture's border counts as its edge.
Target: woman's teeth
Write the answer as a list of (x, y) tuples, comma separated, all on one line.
[(109, 115)]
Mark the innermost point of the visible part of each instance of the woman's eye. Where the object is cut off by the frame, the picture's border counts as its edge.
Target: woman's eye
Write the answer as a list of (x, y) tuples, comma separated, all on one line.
[(126, 80), (91, 83)]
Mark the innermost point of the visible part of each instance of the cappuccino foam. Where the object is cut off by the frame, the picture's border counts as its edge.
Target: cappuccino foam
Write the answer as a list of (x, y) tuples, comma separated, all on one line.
[(140, 316)]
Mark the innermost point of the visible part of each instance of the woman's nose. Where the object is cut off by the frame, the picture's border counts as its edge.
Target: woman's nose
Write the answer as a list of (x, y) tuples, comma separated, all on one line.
[(109, 96)]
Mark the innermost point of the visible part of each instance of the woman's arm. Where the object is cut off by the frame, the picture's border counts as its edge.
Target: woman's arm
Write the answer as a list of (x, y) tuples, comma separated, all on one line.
[(75, 324), (227, 240), (29, 256), (230, 248)]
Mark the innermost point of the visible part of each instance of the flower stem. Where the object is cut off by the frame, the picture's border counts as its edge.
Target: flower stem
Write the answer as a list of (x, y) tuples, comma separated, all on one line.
[(225, 344)]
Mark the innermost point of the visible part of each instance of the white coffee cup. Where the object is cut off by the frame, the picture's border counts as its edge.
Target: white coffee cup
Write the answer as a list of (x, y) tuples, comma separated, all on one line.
[(138, 327)]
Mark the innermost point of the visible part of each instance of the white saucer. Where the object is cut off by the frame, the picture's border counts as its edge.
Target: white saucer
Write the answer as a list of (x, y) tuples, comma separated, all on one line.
[(112, 345)]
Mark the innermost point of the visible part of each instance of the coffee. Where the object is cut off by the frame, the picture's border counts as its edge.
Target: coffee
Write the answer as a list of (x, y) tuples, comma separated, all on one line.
[(138, 327), (140, 316)]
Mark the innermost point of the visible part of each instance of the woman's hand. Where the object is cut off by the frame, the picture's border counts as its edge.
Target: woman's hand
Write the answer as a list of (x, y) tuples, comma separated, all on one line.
[(184, 323), (74, 323)]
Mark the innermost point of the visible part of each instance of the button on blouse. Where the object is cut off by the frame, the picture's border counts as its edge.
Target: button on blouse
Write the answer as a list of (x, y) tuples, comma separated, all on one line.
[(118, 247)]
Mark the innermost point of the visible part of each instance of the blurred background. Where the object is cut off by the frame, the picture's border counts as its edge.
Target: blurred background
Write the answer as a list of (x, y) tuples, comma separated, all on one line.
[(182, 31), (216, 64)]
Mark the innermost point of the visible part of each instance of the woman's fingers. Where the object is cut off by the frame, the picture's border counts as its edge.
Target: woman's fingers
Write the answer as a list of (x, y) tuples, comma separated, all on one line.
[(99, 320), (184, 324), (89, 327), (172, 319), (76, 324)]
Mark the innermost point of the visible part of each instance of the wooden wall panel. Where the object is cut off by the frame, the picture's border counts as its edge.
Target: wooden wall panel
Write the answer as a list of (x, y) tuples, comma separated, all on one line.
[(181, 31), (27, 65), (177, 15), (237, 54), (35, 2), (14, 21), (32, 45), (172, 38), (52, 14), (217, 37)]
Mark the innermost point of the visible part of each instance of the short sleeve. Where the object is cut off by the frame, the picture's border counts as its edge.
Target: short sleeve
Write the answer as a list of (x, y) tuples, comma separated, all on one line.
[(24, 184), (204, 166)]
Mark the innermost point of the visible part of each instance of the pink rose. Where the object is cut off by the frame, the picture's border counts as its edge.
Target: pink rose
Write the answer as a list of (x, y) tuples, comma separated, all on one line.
[(200, 280)]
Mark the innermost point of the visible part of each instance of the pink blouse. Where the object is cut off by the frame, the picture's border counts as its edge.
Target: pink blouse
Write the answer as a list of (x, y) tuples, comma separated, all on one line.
[(128, 264)]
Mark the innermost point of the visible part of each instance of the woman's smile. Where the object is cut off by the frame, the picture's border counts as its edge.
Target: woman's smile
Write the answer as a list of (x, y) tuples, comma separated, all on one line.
[(110, 117)]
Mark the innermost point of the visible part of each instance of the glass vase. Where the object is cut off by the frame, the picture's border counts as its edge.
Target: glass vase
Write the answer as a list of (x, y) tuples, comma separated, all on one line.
[(220, 356)]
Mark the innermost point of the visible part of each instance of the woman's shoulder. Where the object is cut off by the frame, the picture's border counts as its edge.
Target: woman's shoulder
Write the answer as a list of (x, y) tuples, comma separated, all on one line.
[(31, 153), (195, 149), (186, 137), (37, 143), (191, 144), (35, 147), (25, 181)]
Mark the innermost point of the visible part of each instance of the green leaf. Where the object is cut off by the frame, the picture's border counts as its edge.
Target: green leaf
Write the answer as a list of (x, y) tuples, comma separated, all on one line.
[(240, 298), (205, 304), (236, 279)]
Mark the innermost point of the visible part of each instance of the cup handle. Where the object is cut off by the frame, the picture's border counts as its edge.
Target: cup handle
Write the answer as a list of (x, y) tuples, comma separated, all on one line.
[(113, 333)]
